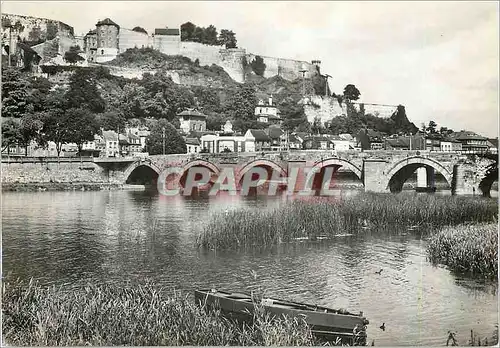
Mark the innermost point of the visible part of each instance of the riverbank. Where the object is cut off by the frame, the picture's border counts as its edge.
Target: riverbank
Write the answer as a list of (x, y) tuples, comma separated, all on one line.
[(67, 186), (142, 315), (315, 218), (469, 249)]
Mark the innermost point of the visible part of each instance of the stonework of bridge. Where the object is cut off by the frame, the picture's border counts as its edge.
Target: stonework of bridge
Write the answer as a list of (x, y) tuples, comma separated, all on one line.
[(378, 171)]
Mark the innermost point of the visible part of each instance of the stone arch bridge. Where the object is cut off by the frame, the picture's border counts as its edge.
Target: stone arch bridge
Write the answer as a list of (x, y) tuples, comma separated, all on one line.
[(378, 171)]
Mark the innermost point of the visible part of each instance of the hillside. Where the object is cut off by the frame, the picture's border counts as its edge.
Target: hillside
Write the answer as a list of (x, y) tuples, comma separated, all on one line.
[(159, 86), (182, 69)]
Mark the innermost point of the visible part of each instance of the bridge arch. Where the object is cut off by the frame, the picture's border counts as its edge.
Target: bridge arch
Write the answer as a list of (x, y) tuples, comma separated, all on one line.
[(339, 162), (268, 164), (143, 172), (316, 181), (402, 170), (214, 169)]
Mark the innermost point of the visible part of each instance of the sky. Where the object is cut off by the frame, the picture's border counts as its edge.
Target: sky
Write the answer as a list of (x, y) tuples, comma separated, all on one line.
[(438, 59)]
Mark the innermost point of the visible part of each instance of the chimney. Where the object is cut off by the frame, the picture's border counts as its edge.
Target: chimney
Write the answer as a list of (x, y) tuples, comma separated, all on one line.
[(271, 100)]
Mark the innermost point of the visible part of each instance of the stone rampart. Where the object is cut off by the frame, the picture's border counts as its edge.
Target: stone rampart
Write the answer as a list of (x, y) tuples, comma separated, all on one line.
[(325, 108), (289, 69)]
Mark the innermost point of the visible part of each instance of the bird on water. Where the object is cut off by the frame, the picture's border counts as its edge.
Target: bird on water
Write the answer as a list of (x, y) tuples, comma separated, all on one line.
[(378, 272), (382, 326)]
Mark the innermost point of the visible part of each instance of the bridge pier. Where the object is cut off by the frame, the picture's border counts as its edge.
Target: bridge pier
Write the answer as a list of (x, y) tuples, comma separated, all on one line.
[(374, 176), (464, 181)]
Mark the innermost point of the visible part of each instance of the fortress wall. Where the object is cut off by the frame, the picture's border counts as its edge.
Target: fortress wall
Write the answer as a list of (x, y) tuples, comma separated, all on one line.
[(289, 69), (207, 55), (170, 45), (129, 39), (232, 62), (325, 108), (384, 111)]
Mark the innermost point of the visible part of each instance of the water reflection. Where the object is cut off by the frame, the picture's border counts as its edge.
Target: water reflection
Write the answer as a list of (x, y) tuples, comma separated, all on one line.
[(120, 236)]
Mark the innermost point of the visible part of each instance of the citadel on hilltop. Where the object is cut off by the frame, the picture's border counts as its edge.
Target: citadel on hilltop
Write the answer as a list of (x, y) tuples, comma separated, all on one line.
[(47, 41), (108, 39)]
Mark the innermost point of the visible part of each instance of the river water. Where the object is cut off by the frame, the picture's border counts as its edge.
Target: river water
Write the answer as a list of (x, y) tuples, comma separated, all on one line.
[(133, 236)]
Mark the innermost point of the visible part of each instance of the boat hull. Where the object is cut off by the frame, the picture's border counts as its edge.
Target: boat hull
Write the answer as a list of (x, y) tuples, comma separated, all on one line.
[(325, 323)]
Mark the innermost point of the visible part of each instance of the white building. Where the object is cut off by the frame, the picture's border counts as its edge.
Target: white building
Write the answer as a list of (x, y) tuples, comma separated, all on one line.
[(111, 145), (217, 143), (267, 113), (341, 144), (141, 132), (192, 120)]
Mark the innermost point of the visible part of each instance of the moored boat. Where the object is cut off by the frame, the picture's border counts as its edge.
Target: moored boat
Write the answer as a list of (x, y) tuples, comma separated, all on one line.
[(327, 323)]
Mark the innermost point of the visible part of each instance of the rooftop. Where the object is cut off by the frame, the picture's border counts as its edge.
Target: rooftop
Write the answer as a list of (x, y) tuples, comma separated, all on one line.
[(191, 112), (274, 132), (167, 31), (467, 135), (192, 141), (107, 21), (259, 135)]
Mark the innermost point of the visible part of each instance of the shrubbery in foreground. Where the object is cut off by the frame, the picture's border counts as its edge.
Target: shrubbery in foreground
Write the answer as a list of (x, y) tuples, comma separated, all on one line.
[(108, 315)]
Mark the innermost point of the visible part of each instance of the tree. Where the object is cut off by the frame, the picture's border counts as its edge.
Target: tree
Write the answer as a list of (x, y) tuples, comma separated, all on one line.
[(215, 122), (57, 127), (83, 92), (317, 127), (111, 120), (140, 30), (83, 126), (15, 98), (210, 35), (73, 55), (10, 133), (431, 128), (444, 131), (174, 143), (351, 93), (40, 90), (207, 98), (198, 34), (258, 66), (29, 129), (187, 31), (227, 38), (240, 107)]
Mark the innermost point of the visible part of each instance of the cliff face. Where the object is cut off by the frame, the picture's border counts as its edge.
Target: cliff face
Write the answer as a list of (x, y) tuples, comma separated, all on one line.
[(34, 29)]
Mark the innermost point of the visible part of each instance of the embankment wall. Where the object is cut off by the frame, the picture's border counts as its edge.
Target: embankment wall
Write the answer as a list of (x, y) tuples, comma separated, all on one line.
[(53, 172)]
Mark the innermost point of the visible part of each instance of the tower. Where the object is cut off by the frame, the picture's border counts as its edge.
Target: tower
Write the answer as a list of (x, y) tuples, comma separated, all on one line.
[(107, 40), (317, 64)]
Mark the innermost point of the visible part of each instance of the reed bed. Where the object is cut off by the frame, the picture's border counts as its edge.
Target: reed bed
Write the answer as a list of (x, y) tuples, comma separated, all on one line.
[(471, 249), (315, 218), (141, 315)]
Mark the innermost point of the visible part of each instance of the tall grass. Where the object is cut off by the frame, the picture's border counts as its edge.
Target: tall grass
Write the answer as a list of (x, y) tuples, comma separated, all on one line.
[(315, 217), (467, 249), (142, 315)]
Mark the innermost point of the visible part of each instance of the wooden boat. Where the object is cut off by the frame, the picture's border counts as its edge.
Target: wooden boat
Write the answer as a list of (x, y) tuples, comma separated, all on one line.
[(326, 323)]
